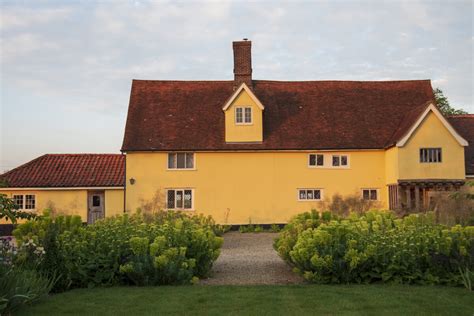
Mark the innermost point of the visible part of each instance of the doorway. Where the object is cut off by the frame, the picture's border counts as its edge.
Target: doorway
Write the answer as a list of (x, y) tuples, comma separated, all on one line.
[(95, 206)]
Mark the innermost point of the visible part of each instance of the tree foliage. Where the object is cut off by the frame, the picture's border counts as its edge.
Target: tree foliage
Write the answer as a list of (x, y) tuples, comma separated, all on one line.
[(443, 104), (9, 210)]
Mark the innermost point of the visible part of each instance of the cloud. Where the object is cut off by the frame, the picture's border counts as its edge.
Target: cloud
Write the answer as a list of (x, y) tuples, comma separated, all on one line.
[(20, 17)]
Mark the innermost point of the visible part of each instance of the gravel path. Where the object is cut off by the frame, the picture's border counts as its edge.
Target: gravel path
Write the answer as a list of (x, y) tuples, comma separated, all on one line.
[(250, 259)]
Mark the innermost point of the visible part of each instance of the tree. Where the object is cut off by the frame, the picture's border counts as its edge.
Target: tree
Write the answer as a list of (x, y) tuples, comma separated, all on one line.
[(443, 104), (9, 210)]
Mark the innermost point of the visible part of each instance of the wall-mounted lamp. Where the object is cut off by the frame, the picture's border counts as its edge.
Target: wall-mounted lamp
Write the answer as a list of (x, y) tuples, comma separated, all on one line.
[(132, 181)]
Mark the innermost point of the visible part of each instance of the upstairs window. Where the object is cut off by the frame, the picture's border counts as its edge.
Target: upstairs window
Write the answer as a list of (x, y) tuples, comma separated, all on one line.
[(180, 160), (370, 194), (430, 155), (309, 194), (340, 161), (180, 199), (316, 160), (243, 115)]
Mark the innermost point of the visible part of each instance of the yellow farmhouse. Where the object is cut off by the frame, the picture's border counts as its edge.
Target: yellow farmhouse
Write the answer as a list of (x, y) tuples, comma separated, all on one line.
[(261, 151)]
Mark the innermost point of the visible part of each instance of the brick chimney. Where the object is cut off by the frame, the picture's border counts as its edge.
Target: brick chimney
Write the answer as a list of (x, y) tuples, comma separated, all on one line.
[(242, 63)]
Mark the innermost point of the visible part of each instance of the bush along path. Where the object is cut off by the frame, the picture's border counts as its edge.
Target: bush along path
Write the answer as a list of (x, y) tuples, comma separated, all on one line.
[(378, 247), (250, 259)]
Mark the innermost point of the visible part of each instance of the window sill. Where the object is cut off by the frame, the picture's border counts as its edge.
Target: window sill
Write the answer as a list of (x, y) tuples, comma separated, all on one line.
[(309, 200), (184, 169)]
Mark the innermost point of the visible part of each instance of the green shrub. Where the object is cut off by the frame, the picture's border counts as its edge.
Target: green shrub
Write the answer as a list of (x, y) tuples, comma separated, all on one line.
[(288, 236), (378, 247), (142, 249)]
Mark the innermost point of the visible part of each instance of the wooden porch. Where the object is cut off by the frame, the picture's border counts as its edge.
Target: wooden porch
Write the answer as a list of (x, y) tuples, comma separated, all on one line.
[(415, 195)]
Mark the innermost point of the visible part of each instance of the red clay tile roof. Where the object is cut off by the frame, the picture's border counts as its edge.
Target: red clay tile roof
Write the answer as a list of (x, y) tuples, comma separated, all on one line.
[(69, 170), (187, 115), (464, 125)]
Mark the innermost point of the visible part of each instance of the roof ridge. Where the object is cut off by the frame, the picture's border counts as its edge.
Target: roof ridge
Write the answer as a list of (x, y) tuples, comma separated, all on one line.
[(469, 115), (339, 81)]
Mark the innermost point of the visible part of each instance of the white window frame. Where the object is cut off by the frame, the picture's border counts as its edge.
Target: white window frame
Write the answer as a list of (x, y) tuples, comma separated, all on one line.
[(176, 161), (23, 207), (321, 195), (243, 108), (180, 189), (429, 151), (370, 189), (316, 165), (340, 166)]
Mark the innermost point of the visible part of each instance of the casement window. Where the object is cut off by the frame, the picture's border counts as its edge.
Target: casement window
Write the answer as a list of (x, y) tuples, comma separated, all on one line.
[(25, 202), (180, 160), (180, 199), (243, 115), (310, 194), (316, 160), (430, 155), (370, 194), (340, 161)]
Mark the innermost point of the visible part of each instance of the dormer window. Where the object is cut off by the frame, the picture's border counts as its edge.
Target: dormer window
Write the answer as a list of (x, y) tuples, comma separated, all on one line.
[(243, 115)]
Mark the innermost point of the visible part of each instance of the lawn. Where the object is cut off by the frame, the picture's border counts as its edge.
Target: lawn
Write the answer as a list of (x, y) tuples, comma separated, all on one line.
[(259, 300)]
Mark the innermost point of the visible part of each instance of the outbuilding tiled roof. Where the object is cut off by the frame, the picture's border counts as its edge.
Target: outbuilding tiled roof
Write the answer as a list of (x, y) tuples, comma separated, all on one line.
[(68, 170), (187, 115), (464, 125)]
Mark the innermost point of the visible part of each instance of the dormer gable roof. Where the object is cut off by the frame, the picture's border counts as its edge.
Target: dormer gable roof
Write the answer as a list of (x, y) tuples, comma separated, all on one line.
[(243, 87)]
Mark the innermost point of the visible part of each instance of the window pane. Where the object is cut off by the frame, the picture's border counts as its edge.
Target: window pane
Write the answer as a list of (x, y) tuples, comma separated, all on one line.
[(302, 194), (317, 194), (238, 115), (320, 161), (179, 199), (95, 200), (439, 154), (18, 200), (373, 194), (343, 160), (248, 115), (190, 160), (171, 161), (366, 194), (312, 160), (335, 160), (188, 199), (309, 194), (30, 202), (181, 160), (171, 199)]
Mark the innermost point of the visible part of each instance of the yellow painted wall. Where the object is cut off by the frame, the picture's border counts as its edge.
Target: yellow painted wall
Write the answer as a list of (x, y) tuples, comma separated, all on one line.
[(431, 133), (243, 133), (391, 163), (70, 202), (236, 188), (114, 202)]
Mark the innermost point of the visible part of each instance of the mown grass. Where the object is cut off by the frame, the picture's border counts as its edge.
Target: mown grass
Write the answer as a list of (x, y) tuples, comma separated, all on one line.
[(259, 300)]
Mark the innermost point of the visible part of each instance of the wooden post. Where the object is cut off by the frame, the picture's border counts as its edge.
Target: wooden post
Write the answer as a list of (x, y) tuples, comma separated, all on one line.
[(408, 198), (398, 196), (417, 198)]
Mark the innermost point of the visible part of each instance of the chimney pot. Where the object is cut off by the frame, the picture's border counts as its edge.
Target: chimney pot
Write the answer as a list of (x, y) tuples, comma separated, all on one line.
[(242, 63)]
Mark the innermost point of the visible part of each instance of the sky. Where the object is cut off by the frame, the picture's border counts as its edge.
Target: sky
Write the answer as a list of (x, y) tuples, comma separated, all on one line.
[(66, 66)]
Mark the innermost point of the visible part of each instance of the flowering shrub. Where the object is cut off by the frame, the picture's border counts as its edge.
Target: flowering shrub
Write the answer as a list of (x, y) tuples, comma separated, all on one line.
[(378, 247), (141, 249), (287, 239)]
